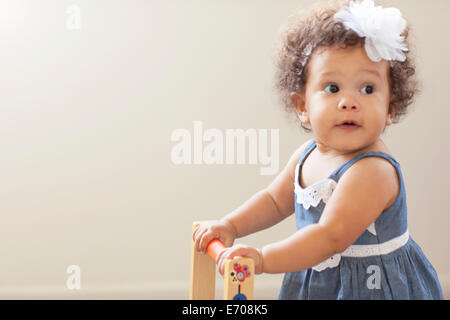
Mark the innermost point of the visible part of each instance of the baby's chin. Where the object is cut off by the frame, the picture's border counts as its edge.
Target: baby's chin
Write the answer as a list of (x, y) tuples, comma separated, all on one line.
[(348, 145)]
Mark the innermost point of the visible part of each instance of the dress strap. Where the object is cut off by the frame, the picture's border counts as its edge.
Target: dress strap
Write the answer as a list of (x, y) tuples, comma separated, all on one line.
[(306, 152), (341, 170)]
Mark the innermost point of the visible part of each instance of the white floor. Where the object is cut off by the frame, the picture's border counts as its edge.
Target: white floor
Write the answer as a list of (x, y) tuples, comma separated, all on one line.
[(167, 291)]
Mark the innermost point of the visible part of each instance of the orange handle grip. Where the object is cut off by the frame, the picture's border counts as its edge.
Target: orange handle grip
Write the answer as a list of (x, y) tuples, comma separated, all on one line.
[(213, 248)]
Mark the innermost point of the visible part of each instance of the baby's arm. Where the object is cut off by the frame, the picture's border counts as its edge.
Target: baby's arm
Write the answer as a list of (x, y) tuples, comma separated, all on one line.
[(361, 195), (270, 205), (359, 198)]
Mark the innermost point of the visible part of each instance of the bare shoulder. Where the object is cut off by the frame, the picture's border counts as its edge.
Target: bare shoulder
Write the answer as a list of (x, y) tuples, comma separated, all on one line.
[(376, 174), (363, 192)]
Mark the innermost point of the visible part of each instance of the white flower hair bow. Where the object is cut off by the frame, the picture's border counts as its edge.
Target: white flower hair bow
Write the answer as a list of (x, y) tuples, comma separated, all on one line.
[(382, 28)]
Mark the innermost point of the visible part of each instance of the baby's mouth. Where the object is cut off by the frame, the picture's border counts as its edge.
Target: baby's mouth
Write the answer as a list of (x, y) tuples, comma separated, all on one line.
[(349, 125)]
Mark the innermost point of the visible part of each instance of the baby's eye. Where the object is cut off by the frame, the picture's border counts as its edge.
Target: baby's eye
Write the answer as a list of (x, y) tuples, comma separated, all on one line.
[(367, 89), (332, 88)]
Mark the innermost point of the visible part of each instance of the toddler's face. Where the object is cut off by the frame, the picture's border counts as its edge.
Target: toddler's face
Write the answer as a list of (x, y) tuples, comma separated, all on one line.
[(345, 85)]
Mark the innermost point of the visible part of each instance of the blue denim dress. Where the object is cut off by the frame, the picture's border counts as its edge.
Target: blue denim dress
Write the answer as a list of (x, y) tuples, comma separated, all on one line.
[(383, 263)]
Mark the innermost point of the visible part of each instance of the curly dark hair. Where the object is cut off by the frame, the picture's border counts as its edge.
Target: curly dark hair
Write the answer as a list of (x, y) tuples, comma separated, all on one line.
[(316, 26)]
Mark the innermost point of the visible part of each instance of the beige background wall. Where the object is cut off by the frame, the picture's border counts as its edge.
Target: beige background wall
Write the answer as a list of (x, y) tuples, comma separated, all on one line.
[(86, 118)]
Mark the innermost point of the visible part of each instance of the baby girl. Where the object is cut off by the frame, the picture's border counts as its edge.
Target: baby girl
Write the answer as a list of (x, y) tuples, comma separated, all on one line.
[(345, 69)]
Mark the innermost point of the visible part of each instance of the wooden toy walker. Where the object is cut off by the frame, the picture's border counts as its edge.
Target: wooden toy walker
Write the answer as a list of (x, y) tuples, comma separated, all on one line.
[(238, 274)]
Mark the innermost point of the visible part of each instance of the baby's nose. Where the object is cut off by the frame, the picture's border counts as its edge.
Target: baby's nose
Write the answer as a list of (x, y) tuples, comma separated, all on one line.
[(348, 103)]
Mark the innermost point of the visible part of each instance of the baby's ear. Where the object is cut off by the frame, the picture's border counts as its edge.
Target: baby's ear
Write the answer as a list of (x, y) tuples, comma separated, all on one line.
[(393, 103), (389, 119), (299, 102)]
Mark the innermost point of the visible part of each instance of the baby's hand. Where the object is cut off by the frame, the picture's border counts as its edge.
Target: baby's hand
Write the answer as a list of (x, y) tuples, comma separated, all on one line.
[(241, 251), (207, 231)]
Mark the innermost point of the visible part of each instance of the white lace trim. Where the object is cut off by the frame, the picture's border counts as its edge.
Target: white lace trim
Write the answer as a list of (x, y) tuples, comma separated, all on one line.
[(321, 190), (371, 229), (312, 195), (362, 251), (331, 262)]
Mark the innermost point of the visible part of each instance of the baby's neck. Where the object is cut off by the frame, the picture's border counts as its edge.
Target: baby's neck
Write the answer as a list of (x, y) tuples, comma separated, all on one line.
[(332, 153)]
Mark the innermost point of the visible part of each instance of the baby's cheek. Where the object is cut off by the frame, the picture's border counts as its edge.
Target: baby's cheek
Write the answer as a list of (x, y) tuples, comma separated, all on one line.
[(321, 120)]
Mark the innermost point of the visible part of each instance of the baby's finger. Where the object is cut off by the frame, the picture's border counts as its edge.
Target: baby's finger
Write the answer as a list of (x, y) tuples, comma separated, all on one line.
[(194, 232), (219, 254), (198, 238), (240, 251), (227, 241), (207, 237), (220, 265), (229, 254), (221, 260)]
